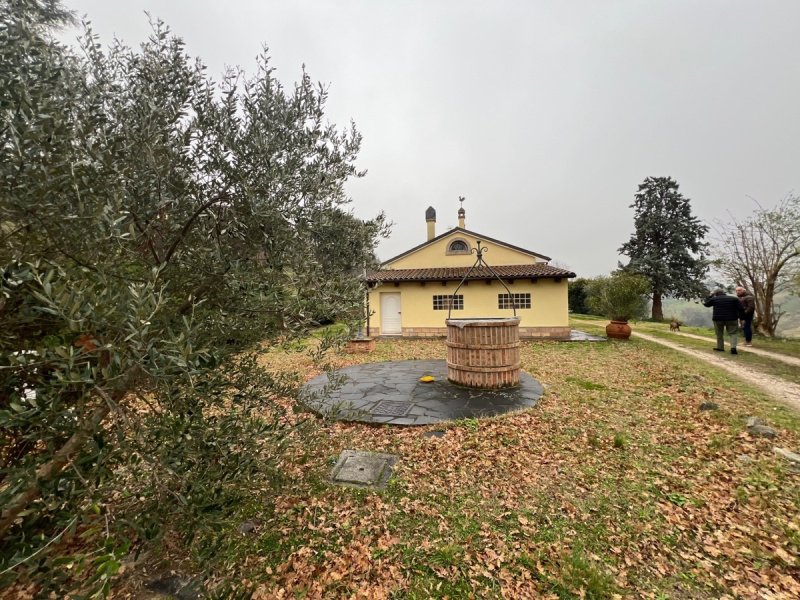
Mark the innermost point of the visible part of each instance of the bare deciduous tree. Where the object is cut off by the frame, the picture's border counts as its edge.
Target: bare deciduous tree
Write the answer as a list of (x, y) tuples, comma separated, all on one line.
[(762, 252)]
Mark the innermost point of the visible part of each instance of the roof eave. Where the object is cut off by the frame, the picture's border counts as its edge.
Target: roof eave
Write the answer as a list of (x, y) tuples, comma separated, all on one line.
[(389, 279), (467, 231)]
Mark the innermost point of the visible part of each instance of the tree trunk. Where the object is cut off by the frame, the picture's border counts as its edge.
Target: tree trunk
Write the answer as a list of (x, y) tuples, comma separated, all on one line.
[(658, 312), (764, 318), (51, 468), (767, 316)]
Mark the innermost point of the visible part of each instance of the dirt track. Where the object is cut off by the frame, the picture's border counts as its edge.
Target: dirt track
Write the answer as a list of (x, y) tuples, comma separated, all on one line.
[(784, 391), (789, 360)]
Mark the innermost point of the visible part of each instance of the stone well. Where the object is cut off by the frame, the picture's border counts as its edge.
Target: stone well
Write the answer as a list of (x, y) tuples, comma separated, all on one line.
[(483, 353)]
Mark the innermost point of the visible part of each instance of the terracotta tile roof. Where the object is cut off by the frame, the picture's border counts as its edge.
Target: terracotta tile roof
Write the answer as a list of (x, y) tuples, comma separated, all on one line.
[(457, 273)]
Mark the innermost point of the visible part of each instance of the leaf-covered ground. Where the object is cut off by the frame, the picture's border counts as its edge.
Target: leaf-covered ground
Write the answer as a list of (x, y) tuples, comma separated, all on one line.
[(616, 484)]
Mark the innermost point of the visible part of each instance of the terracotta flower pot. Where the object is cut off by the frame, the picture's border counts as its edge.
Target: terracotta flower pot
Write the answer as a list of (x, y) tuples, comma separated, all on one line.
[(618, 330), (360, 345)]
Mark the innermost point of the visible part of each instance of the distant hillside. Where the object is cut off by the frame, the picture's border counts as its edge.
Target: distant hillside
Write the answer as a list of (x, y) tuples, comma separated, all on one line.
[(694, 313)]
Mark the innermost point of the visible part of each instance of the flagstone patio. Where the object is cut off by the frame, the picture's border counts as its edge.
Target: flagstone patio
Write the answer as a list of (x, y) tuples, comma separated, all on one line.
[(391, 393)]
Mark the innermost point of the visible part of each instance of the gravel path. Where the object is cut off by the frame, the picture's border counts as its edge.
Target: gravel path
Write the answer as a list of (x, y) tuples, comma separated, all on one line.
[(784, 391), (789, 360)]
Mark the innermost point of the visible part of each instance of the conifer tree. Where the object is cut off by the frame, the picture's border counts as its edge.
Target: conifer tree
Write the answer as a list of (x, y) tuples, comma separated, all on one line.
[(667, 245)]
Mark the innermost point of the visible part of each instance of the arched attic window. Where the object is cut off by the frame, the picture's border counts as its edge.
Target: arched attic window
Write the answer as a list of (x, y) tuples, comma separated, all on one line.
[(458, 247)]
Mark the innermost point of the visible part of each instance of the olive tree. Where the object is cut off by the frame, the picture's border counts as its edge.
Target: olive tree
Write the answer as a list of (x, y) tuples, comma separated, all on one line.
[(154, 225), (622, 296)]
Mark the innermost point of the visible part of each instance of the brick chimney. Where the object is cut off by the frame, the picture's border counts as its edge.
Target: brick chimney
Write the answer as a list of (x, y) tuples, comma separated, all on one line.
[(430, 219)]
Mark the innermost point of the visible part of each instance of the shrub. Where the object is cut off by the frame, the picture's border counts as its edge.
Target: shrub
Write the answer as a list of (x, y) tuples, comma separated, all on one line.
[(620, 297), (577, 296)]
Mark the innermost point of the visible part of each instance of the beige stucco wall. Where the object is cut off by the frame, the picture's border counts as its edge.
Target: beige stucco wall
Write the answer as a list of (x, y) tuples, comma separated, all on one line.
[(549, 307), (436, 255)]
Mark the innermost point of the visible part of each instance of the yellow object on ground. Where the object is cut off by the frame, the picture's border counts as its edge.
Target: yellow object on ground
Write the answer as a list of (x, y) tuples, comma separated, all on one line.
[(427, 379)]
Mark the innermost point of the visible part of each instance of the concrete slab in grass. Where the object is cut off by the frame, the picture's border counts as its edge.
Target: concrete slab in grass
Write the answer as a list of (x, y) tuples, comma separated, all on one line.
[(356, 468)]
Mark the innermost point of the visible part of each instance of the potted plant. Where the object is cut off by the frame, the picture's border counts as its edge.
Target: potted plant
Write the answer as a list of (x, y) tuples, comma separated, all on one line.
[(620, 297)]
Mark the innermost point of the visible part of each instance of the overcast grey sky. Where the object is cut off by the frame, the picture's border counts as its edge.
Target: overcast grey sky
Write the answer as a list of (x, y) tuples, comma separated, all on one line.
[(545, 115)]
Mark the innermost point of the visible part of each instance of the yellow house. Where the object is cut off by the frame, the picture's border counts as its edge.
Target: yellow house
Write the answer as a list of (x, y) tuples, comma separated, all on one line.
[(411, 293)]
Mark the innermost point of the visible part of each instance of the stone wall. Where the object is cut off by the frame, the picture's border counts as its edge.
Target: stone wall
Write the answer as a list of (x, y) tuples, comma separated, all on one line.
[(551, 333)]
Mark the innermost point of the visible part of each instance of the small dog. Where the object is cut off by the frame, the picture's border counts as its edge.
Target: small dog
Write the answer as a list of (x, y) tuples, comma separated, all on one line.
[(675, 325)]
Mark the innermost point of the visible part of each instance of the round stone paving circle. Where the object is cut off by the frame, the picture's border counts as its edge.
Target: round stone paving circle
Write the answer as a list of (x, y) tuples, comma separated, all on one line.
[(391, 392)]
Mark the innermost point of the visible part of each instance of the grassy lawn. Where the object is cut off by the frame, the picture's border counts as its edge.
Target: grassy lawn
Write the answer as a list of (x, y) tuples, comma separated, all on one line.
[(764, 364), (788, 346), (616, 485)]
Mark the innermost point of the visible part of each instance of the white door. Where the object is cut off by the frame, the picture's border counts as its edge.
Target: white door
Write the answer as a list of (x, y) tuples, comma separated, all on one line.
[(390, 314)]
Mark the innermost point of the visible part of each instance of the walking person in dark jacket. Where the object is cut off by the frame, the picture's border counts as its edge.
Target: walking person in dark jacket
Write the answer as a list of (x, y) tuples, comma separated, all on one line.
[(726, 314), (748, 303)]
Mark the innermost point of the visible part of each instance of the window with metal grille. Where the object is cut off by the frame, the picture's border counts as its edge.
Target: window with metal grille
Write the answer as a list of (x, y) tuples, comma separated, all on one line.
[(509, 300), (458, 247), (442, 302)]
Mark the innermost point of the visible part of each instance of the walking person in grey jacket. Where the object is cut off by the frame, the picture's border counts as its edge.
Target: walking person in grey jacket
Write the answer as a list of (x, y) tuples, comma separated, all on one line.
[(726, 314), (748, 303)]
